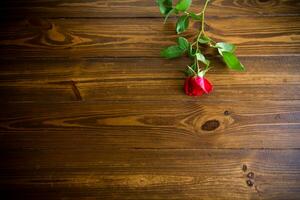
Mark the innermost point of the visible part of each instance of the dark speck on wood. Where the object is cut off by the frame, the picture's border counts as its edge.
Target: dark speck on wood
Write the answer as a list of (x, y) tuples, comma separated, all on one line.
[(226, 112), (244, 168), (250, 175), (250, 183)]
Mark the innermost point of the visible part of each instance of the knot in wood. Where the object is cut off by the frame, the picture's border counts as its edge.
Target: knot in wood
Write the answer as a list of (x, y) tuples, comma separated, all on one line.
[(210, 125)]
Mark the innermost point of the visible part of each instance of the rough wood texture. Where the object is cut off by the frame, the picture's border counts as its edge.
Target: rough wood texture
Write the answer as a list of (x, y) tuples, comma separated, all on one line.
[(143, 37), (163, 124), (90, 111), (152, 174), (144, 79), (143, 8)]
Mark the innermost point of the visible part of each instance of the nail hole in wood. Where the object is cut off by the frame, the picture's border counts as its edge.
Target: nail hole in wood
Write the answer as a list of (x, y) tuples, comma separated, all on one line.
[(250, 175), (250, 183)]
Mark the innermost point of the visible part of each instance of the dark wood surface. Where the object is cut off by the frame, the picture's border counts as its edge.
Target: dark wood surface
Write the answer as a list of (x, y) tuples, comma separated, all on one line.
[(142, 37), (90, 111)]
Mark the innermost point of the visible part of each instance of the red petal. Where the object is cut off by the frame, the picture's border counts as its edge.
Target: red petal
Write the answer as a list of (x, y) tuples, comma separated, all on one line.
[(197, 90), (192, 88), (204, 84)]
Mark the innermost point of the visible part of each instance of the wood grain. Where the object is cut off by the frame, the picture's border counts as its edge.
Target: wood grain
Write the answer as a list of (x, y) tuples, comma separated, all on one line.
[(89, 110), (197, 125), (150, 174), (144, 79), (76, 38), (142, 8)]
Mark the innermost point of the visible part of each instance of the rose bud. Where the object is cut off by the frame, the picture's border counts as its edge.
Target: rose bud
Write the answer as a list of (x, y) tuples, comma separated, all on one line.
[(197, 86)]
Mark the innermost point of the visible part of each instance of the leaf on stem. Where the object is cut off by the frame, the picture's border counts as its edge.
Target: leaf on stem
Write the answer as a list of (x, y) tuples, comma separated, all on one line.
[(195, 16), (223, 46), (168, 14), (182, 24), (172, 52), (201, 57), (203, 39), (232, 61), (183, 43), (165, 6), (183, 5), (192, 52)]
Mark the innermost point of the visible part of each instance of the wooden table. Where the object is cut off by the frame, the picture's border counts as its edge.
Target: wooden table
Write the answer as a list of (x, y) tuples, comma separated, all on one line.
[(89, 110)]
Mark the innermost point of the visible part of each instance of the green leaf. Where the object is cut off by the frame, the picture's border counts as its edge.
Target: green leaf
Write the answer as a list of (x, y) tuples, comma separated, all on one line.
[(183, 5), (204, 39), (164, 6), (201, 58), (196, 17), (232, 61), (183, 43), (168, 14), (222, 46), (192, 52), (172, 52), (182, 24)]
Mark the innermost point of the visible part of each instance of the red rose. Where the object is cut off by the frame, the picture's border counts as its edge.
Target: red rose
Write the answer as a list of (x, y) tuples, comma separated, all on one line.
[(197, 85)]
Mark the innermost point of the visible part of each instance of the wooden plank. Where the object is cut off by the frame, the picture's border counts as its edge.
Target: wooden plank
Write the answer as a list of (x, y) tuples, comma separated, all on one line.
[(151, 174), (142, 8), (144, 79), (141, 37), (90, 111), (271, 70), (172, 124), (143, 90)]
